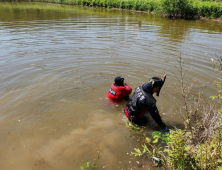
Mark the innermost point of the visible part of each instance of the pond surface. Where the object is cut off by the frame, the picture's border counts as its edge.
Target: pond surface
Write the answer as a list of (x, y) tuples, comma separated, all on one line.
[(57, 63)]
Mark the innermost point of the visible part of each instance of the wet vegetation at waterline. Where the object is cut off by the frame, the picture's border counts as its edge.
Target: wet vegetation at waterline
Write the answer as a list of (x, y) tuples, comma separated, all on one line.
[(172, 8), (199, 145)]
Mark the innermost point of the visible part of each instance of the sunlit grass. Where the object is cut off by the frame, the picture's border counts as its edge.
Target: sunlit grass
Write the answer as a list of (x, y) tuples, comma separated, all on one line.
[(209, 9), (39, 5)]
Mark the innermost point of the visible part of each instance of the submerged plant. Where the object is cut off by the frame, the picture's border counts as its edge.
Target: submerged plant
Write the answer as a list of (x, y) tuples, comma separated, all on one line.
[(133, 127), (87, 166), (154, 153)]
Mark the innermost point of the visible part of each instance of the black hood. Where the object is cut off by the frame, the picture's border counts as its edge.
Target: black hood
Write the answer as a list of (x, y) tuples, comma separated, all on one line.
[(157, 82), (119, 81), (147, 87)]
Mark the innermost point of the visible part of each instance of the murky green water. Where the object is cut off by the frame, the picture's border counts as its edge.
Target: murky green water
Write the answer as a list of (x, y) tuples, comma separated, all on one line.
[(56, 65)]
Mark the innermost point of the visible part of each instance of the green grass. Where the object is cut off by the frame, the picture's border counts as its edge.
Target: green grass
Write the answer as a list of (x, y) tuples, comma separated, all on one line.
[(208, 9), (176, 8)]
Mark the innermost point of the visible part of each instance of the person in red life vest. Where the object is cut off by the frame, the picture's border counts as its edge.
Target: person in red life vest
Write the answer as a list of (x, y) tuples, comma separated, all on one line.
[(143, 101), (119, 90)]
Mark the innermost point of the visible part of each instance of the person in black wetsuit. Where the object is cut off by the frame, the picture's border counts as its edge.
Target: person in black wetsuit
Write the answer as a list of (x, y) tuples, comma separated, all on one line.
[(143, 101)]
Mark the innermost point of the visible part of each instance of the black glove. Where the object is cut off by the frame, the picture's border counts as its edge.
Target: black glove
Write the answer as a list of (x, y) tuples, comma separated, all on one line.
[(167, 129)]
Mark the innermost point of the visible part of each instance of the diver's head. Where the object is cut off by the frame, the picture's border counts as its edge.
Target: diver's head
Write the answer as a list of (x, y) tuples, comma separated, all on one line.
[(119, 81), (157, 84)]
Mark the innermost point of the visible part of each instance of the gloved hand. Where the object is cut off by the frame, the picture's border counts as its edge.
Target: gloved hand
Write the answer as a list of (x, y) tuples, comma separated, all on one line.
[(167, 129), (171, 127)]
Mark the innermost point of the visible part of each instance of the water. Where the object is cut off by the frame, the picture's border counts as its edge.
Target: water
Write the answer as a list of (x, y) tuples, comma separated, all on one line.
[(57, 64)]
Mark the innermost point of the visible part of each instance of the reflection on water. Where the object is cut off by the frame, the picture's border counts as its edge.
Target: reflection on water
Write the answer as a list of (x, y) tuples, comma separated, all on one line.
[(57, 64)]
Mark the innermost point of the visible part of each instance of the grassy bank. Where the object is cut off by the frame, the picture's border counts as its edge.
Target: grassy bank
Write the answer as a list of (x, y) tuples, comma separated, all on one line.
[(198, 146), (173, 8)]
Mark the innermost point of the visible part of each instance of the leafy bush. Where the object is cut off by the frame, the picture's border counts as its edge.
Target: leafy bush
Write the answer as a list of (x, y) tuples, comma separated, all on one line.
[(182, 8), (182, 155), (208, 9)]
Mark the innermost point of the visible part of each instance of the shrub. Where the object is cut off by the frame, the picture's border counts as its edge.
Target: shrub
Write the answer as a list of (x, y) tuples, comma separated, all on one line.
[(181, 8), (208, 9)]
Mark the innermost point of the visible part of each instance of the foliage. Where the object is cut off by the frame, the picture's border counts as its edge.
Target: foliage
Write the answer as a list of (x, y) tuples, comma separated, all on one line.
[(87, 166), (182, 155), (175, 8), (200, 142), (158, 136), (199, 145), (192, 8), (208, 9), (200, 116), (133, 127), (182, 8), (155, 154), (178, 151)]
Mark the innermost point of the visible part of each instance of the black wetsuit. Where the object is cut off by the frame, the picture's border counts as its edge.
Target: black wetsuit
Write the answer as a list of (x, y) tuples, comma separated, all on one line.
[(141, 102)]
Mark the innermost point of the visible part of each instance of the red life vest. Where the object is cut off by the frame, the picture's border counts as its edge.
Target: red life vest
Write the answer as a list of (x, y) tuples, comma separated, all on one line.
[(118, 93)]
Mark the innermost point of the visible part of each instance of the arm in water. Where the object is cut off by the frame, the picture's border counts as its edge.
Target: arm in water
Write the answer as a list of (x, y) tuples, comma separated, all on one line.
[(156, 116)]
